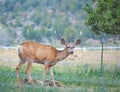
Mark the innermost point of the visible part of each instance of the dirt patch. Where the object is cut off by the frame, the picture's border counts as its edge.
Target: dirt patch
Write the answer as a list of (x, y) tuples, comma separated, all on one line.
[(48, 83)]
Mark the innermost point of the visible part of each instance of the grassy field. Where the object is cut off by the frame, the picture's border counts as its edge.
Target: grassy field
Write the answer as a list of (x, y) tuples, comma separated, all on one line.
[(78, 73), (74, 78)]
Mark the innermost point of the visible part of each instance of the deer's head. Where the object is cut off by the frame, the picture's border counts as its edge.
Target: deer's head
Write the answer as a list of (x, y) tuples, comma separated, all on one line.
[(70, 46)]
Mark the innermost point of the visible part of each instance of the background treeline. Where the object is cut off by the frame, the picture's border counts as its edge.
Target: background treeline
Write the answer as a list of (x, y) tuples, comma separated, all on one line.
[(43, 21)]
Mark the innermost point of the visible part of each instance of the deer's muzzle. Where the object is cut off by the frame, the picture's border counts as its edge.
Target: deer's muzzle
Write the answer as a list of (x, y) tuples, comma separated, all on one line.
[(71, 52)]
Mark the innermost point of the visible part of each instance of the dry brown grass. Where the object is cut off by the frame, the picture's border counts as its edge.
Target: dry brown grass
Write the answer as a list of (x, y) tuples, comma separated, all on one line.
[(93, 57)]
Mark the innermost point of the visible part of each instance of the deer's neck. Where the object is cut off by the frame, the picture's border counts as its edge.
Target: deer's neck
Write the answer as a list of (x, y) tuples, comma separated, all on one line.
[(62, 54)]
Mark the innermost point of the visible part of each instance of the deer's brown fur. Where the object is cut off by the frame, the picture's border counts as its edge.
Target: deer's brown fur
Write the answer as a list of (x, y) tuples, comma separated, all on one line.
[(34, 52)]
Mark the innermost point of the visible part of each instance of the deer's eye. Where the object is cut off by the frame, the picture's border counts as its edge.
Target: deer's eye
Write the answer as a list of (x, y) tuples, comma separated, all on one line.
[(68, 47), (72, 47)]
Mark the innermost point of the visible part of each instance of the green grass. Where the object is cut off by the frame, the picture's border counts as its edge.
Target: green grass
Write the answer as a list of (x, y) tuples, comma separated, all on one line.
[(75, 79)]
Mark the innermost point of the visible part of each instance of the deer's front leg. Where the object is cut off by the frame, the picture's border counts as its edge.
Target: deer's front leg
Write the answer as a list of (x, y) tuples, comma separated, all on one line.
[(44, 73), (52, 75)]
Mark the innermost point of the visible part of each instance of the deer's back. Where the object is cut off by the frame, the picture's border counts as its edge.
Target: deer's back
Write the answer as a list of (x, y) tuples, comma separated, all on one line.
[(37, 52)]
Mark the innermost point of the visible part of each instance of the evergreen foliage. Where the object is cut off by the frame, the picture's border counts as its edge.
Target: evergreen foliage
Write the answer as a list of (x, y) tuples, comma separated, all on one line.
[(104, 16)]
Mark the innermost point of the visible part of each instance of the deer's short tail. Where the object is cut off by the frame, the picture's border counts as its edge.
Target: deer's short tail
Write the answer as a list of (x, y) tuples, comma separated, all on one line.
[(19, 50)]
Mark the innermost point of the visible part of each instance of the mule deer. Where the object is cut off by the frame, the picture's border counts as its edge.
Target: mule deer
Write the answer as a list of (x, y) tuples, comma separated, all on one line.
[(34, 52)]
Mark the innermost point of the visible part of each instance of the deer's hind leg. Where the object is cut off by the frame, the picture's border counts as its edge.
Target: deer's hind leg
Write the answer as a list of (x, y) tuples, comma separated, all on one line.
[(22, 61), (28, 68)]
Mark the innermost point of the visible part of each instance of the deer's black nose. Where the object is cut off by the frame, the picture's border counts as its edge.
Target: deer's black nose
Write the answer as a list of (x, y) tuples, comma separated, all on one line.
[(71, 52)]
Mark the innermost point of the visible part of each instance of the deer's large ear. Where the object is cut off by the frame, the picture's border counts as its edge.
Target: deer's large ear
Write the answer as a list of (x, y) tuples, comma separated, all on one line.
[(63, 41), (78, 42)]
